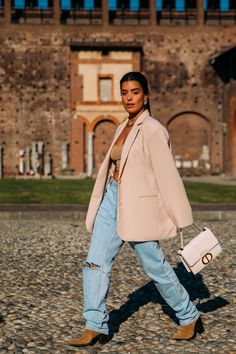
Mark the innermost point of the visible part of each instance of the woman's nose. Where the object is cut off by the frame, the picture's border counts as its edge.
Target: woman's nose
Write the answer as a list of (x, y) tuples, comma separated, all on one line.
[(129, 96)]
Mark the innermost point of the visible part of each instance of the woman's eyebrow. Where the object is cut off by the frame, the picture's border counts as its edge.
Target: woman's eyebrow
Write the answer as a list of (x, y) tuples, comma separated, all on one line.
[(134, 89)]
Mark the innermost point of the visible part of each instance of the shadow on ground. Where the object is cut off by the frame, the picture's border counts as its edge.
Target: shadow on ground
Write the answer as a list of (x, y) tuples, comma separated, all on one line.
[(148, 293)]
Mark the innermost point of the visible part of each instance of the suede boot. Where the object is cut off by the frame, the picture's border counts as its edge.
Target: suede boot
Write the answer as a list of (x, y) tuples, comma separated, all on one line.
[(88, 337), (189, 331)]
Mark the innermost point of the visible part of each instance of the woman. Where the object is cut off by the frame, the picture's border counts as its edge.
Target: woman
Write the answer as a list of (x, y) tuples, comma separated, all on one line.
[(138, 197)]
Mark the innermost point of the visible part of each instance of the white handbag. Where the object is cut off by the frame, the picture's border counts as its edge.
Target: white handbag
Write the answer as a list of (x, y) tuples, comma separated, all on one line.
[(200, 251)]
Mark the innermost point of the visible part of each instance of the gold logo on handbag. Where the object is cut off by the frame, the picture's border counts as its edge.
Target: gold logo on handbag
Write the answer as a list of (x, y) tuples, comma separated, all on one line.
[(207, 258)]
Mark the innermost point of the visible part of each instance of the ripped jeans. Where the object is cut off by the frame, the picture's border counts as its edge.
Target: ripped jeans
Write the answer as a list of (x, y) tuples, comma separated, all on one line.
[(104, 247)]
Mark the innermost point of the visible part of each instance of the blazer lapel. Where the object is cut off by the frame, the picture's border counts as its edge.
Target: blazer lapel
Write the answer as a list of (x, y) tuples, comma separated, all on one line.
[(130, 140), (127, 146)]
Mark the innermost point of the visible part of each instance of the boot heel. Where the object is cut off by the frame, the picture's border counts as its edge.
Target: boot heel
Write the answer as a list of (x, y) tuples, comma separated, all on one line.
[(199, 327), (103, 339)]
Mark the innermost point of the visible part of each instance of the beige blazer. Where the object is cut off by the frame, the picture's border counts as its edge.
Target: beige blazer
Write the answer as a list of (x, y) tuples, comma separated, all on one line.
[(152, 201)]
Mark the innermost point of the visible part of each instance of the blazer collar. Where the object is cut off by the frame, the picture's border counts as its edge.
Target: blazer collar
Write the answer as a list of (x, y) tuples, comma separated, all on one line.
[(141, 118)]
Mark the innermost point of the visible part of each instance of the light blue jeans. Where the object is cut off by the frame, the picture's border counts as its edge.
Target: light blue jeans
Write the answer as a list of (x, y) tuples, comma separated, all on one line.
[(104, 247)]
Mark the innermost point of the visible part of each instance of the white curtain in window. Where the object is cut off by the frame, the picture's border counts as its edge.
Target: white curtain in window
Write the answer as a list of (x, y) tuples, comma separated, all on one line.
[(105, 89)]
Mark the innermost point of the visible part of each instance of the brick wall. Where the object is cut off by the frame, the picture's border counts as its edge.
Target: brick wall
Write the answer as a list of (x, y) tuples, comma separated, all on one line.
[(35, 85)]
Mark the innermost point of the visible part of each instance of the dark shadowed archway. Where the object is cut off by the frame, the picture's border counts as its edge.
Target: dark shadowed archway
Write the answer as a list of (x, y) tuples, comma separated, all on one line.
[(103, 134), (190, 135)]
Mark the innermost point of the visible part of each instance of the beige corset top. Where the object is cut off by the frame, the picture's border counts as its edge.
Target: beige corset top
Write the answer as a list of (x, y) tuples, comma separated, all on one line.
[(116, 155)]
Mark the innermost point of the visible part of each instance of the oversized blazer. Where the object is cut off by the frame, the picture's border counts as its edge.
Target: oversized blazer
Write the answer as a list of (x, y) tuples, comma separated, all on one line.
[(152, 202)]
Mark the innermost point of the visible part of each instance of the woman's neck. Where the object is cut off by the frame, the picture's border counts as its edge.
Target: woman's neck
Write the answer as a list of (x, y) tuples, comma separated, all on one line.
[(134, 116)]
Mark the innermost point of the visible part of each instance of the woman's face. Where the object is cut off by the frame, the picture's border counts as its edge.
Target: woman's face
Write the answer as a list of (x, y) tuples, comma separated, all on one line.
[(133, 97)]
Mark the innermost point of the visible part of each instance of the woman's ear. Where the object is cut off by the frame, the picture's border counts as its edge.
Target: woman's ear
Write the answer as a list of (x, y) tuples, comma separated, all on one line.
[(145, 99)]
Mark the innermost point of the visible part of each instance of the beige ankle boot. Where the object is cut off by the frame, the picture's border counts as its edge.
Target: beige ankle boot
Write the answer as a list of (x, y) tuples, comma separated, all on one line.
[(189, 331), (88, 337)]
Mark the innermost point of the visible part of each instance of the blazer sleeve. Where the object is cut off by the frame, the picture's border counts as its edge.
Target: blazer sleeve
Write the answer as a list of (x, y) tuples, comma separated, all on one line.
[(169, 182)]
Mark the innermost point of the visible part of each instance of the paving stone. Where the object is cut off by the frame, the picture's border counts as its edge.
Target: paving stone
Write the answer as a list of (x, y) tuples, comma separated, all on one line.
[(41, 296)]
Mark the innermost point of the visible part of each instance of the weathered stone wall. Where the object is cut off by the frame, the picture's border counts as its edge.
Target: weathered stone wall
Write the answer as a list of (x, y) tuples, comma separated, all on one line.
[(35, 96), (35, 102)]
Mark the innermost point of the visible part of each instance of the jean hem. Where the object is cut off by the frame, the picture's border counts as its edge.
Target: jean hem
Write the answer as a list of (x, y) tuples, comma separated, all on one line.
[(184, 323), (97, 330)]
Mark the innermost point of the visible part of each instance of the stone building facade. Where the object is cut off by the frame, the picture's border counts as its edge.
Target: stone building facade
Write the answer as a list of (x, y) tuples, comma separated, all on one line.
[(60, 66)]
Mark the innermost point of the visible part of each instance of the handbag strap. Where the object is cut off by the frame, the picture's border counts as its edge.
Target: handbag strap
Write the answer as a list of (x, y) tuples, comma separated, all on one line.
[(182, 237)]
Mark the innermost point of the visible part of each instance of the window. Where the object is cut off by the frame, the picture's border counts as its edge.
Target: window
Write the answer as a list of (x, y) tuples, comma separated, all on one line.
[(232, 4), (65, 4), (97, 4), (105, 89), (31, 3), (191, 4), (144, 4), (77, 4), (19, 4), (168, 4), (124, 4), (224, 5), (213, 4), (89, 4), (112, 5), (44, 4), (134, 5)]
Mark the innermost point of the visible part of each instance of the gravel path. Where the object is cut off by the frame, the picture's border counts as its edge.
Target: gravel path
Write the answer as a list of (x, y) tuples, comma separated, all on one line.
[(41, 294)]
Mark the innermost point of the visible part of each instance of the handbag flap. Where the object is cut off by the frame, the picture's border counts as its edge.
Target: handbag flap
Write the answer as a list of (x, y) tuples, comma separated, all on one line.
[(199, 246)]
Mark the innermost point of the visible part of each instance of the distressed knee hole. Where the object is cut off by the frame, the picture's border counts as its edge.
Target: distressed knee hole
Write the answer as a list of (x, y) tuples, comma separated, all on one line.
[(91, 265)]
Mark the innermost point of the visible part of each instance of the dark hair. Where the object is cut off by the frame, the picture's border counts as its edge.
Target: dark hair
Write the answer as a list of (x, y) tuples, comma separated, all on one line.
[(137, 76)]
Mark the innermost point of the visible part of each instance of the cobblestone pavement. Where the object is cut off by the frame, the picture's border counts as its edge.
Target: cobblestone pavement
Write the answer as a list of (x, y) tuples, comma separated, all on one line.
[(41, 294)]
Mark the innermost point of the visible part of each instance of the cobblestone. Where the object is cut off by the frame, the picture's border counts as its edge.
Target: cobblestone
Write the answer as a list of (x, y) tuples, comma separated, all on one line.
[(41, 294)]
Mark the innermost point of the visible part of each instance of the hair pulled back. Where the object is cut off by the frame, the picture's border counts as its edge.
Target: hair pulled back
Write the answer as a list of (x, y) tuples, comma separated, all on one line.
[(137, 76)]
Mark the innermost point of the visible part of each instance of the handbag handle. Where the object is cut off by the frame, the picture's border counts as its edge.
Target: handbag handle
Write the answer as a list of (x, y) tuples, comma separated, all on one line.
[(182, 237)]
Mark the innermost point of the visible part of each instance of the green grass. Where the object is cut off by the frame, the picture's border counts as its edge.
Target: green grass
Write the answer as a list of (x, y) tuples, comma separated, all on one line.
[(57, 191), (204, 193), (53, 191)]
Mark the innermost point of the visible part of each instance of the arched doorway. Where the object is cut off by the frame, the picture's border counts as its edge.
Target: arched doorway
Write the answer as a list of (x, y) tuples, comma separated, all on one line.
[(190, 135), (224, 65), (234, 145), (103, 135), (230, 136)]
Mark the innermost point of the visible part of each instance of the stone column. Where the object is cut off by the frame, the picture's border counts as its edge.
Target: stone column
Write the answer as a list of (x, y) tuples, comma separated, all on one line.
[(90, 154), (105, 13), (7, 12), (64, 155), (21, 168), (1, 161), (47, 164), (34, 157), (40, 157), (152, 13), (56, 12), (27, 160), (200, 12)]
